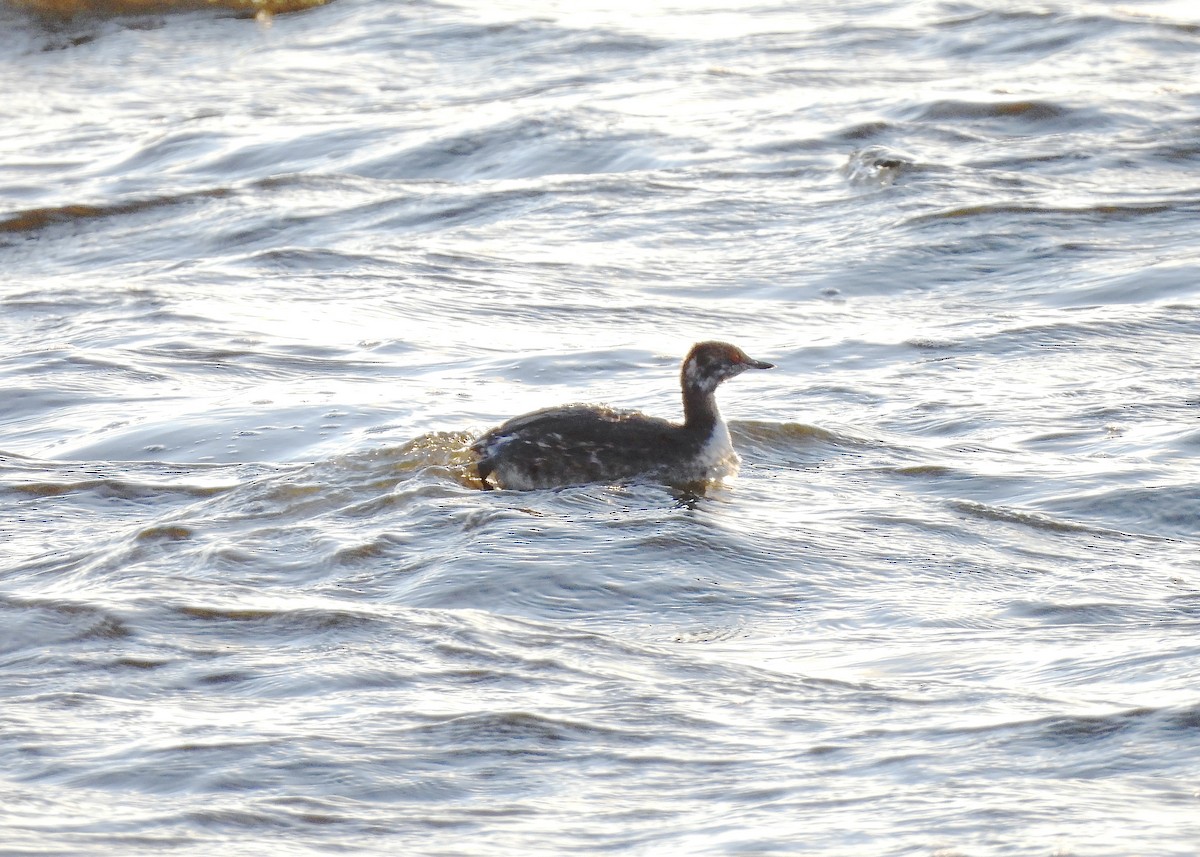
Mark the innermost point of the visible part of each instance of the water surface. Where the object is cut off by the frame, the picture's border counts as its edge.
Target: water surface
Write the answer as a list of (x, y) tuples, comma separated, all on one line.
[(262, 280)]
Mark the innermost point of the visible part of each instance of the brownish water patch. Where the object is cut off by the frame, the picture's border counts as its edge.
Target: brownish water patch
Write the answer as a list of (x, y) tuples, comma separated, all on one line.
[(71, 8)]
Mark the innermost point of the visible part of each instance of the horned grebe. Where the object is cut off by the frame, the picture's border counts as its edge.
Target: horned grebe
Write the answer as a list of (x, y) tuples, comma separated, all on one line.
[(577, 444)]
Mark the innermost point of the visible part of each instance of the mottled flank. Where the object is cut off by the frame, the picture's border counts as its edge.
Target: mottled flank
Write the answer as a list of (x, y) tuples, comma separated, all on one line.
[(596, 444)]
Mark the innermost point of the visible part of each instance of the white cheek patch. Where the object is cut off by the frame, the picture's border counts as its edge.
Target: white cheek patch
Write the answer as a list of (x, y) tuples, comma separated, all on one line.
[(695, 377)]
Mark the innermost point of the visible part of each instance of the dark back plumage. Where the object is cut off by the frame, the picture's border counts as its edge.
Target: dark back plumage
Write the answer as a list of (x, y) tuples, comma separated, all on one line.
[(577, 444)]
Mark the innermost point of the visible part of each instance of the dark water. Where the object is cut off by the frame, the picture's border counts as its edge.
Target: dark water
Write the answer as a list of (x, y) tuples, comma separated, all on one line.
[(261, 280)]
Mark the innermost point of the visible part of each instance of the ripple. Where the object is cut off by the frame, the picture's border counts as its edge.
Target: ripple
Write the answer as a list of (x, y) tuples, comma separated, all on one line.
[(36, 623), (1167, 511), (1026, 112), (38, 219), (290, 622), (521, 148), (71, 8), (877, 166), (1099, 213), (1033, 520)]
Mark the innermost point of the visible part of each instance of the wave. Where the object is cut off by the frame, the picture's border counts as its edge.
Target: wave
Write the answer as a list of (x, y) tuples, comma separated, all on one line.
[(72, 8), (35, 219)]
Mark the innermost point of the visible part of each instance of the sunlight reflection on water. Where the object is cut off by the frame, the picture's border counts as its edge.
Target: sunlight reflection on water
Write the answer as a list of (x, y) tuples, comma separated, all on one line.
[(263, 285)]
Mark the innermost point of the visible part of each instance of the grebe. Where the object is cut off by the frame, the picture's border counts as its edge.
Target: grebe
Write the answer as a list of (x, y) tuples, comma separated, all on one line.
[(578, 444)]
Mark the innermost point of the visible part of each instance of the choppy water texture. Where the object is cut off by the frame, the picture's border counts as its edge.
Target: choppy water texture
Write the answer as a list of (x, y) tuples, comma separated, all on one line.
[(261, 281)]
